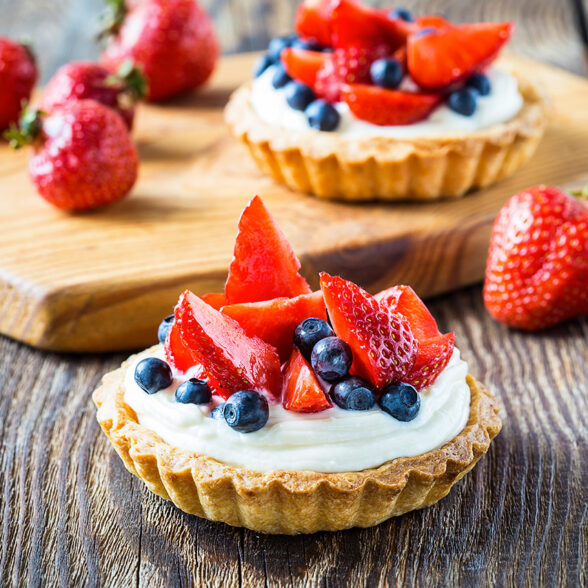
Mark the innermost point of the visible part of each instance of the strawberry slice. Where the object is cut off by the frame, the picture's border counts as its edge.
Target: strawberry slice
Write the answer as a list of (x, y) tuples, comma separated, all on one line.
[(301, 390), (232, 360), (432, 21), (303, 65), (313, 20), (403, 299), (215, 299), (388, 107), (432, 357), (177, 353), (264, 265), (435, 349), (274, 321), (384, 348), (445, 56), (353, 24)]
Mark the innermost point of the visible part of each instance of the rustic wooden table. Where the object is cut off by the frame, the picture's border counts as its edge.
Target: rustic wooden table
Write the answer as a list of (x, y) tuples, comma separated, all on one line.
[(72, 515)]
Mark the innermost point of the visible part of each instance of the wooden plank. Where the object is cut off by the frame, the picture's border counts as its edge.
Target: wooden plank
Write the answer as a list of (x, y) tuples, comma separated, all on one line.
[(72, 515), (70, 286)]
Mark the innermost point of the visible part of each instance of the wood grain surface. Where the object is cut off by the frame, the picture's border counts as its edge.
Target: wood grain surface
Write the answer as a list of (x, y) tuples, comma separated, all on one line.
[(67, 288), (72, 516)]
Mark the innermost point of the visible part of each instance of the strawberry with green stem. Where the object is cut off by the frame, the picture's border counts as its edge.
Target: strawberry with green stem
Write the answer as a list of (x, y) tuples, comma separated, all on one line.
[(83, 155)]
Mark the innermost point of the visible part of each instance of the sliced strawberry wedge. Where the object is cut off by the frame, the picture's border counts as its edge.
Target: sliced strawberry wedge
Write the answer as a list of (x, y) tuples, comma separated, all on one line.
[(354, 24), (433, 20), (215, 299), (435, 349), (177, 353), (264, 265), (313, 20), (388, 107), (442, 57), (232, 360), (403, 299), (384, 348), (303, 65), (432, 358), (274, 321), (301, 390)]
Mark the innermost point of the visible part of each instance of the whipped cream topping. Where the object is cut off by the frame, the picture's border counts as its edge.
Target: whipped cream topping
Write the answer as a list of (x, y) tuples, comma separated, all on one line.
[(501, 105), (334, 440)]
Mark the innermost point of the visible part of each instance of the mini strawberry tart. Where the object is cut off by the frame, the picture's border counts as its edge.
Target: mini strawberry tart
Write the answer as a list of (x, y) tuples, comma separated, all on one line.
[(283, 410), (366, 104)]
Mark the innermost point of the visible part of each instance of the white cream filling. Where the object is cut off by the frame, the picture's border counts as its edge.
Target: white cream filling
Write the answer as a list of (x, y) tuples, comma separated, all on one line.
[(334, 440), (501, 105)]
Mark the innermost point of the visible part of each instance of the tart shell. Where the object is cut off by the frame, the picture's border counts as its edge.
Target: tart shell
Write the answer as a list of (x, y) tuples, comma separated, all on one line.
[(384, 168), (291, 502)]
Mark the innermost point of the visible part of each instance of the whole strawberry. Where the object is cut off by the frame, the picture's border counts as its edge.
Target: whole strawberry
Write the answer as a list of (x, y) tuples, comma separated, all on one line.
[(172, 40), (81, 80), (83, 154), (18, 74), (537, 270)]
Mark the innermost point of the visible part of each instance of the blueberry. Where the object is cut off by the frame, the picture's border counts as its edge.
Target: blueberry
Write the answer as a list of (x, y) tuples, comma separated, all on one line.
[(353, 393), (246, 411), (480, 83), (402, 14), (281, 77), (262, 64), (309, 332), (322, 116), (218, 412), (463, 101), (193, 391), (386, 73), (401, 401), (331, 359), (308, 44), (163, 328), (425, 31), (153, 375), (277, 45), (298, 95)]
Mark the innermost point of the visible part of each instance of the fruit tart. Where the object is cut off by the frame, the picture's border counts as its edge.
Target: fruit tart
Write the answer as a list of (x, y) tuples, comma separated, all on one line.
[(283, 410), (364, 104)]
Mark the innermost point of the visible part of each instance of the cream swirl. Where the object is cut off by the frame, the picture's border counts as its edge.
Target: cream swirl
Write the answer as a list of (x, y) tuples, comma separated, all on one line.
[(501, 105), (334, 440)]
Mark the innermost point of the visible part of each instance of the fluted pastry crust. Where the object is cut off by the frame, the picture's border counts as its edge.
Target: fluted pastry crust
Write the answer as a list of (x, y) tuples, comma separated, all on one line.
[(292, 502), (383, 168)]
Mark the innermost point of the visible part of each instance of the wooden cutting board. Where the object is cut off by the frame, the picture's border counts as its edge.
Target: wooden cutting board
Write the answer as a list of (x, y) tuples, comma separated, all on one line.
[(103, 280)]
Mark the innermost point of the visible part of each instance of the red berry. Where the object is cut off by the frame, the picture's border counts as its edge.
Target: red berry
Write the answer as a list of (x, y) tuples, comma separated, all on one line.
[(355, 25), (274, 321), (313, 20), (432, 358), (18, 74), (303, 65), (215, 299), (384, 348), (232, 360), (301, 390), (388, 107), (264, 265), (177, 353), (80, 80), (444, 56), (172, 40), (403, 299), (435, 350), (83, 155), (537, 269)]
